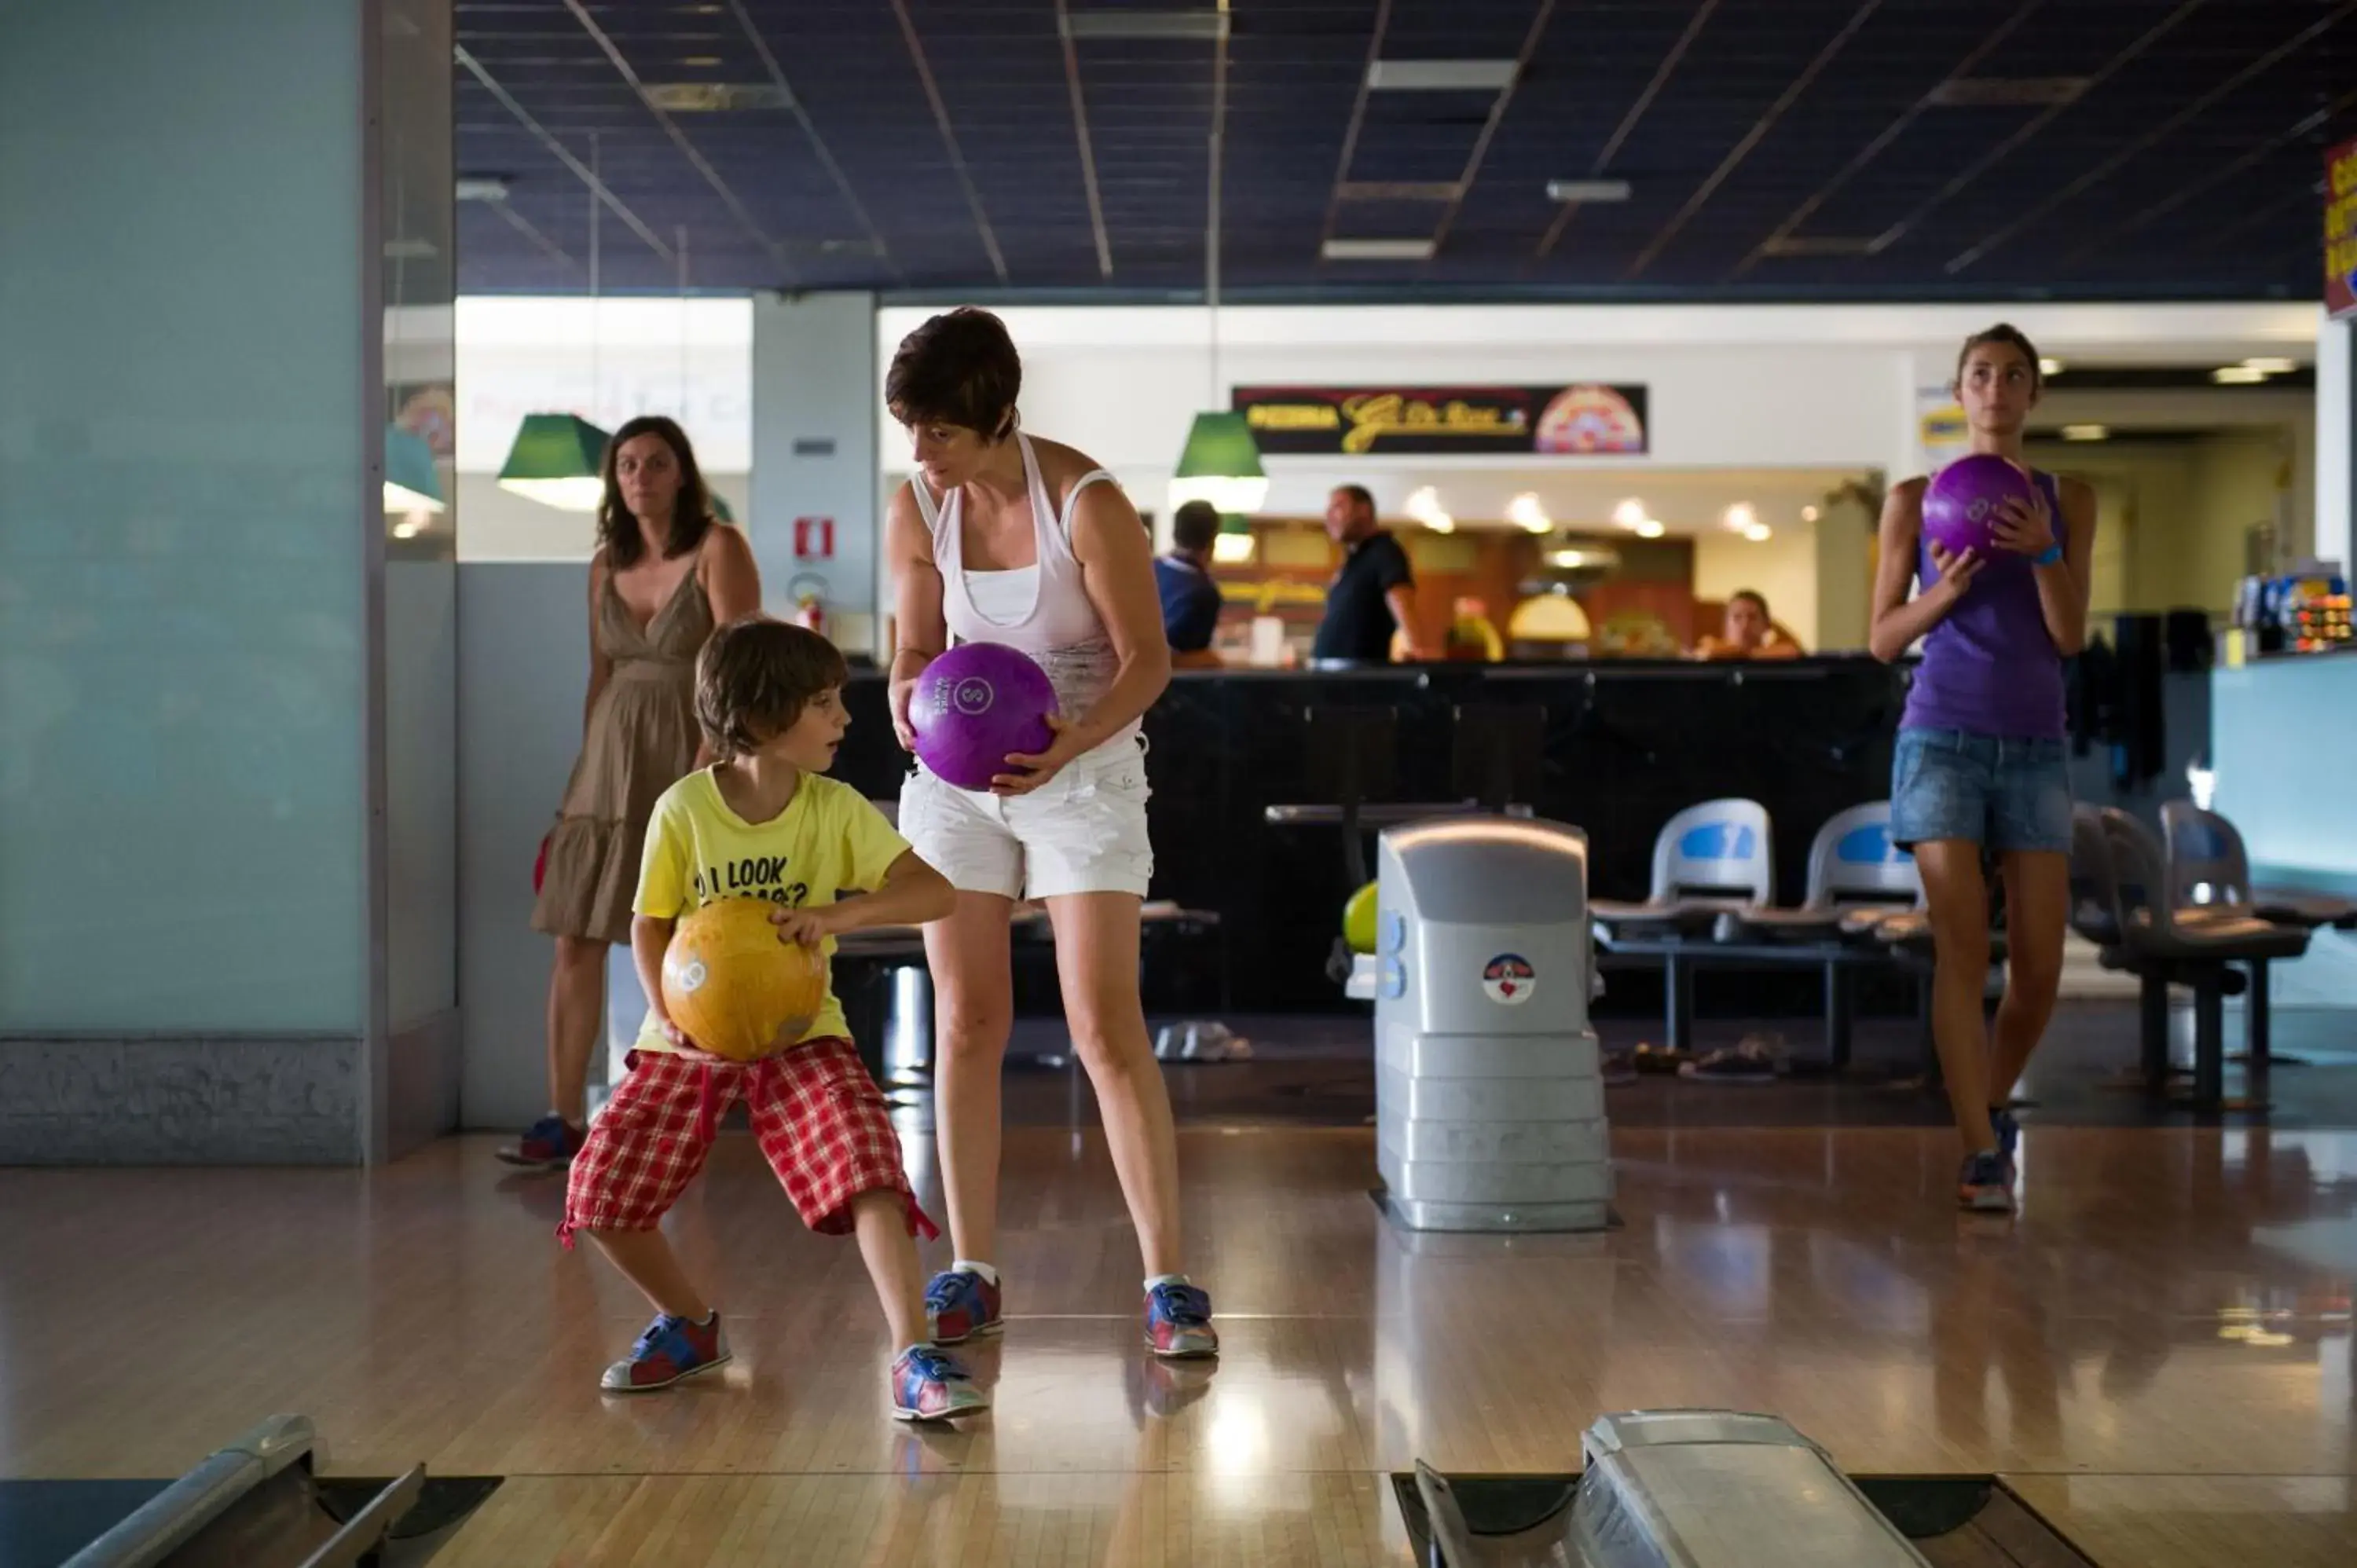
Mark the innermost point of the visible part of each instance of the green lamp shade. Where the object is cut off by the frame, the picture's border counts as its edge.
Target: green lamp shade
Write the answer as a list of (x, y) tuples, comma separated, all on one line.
[(1220, 464), (411, 481), (555, 461)]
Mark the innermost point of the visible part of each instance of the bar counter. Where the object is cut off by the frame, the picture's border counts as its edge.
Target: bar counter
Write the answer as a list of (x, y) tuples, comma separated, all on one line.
[(1619, 746)]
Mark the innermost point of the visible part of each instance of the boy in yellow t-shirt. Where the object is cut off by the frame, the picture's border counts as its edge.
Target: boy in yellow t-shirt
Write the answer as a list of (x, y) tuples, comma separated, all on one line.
[(765, 822)]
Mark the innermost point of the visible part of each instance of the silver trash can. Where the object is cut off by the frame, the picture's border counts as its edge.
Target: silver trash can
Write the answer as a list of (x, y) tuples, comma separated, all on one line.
[(1490, 1104)]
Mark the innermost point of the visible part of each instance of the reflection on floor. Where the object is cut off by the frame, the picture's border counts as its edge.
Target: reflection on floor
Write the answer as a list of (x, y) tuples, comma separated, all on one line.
[(2156, 1354), (1320, 1069)]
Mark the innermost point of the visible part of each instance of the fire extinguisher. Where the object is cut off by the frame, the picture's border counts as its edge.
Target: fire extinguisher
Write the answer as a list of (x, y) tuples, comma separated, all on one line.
[(808, 592)]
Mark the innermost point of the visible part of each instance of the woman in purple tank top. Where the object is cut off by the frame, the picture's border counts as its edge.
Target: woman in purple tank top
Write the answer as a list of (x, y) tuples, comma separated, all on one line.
[(1979, 771)]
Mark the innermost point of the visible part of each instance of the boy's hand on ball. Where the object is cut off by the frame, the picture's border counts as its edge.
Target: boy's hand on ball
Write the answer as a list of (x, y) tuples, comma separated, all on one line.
[(808, 927), (688, 1049)]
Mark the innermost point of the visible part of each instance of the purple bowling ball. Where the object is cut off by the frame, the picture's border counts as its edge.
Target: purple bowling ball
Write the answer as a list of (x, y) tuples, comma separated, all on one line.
[(975, 704), (1961, 506)]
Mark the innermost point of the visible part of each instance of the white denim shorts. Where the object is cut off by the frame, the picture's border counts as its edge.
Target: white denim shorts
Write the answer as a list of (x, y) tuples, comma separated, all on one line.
[(1082, 831)]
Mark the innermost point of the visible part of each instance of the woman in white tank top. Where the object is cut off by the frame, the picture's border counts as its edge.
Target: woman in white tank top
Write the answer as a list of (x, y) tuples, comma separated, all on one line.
[(1000, 538)]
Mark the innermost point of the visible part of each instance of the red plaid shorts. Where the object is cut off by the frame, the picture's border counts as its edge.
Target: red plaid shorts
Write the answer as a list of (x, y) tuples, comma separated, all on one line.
[(819, 1118)]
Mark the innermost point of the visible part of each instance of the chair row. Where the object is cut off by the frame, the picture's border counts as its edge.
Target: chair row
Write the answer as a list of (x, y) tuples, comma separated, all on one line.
[(2179, 908), (1712, 902)]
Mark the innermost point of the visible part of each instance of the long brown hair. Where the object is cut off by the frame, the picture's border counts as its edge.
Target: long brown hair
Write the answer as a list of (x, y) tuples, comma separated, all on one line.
[(691, 518)]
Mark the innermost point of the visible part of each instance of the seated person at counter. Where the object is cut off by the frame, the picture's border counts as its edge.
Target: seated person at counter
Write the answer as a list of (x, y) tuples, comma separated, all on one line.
[(1374, 594), (1190, 600), (1747, 632)]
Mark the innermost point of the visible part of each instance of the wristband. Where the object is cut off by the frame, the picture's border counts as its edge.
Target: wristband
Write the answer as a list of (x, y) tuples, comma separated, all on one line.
[(2053, 553)]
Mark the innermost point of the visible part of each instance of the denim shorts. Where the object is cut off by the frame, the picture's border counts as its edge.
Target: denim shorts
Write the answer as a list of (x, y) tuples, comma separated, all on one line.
[(2001, 794)]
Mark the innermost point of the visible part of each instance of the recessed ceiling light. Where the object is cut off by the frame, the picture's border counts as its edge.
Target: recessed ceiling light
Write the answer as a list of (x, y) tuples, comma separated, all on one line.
[(1821, 245), (1377, 250), (2272, 367), (2049, 367), (1649, 527), (2087, 433), (2237, 376), (1124, 24), (716, 97), (1628, 513), (1759, 533), (1808, 514), (1440, 75), (2006, 93), (1588, 190), (1740, 518), (1526, 511)]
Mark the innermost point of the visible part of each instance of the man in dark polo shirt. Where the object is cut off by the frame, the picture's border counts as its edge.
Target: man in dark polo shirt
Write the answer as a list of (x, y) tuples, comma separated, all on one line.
[(1374, 594)]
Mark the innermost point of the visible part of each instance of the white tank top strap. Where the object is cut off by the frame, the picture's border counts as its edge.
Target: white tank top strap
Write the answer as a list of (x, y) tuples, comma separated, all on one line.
[(927, 507), (1093, 477)]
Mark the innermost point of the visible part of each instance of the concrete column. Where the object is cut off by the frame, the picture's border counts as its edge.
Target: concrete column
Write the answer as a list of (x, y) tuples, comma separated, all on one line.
[(226, 742), (815, 419)]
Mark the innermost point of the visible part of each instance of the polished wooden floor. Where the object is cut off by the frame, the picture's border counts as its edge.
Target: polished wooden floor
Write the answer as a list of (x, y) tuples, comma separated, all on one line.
[(2156, 1353)]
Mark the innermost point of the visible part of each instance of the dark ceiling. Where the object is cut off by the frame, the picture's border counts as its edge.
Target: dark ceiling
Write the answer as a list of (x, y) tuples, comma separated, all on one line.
[(1782, 149)]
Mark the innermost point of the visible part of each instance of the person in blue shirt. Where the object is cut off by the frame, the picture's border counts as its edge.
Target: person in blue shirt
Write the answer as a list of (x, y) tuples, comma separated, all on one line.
[(1190, 600)]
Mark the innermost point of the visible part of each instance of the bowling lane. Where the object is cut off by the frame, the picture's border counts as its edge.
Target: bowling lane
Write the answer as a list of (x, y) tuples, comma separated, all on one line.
[(2170, 1305)]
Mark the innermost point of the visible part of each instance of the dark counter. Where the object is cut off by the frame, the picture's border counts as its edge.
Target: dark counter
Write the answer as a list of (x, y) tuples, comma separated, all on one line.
[(1623, 744)]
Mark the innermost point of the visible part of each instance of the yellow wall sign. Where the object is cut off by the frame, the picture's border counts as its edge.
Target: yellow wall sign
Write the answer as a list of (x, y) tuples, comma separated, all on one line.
[(2340, 229), (1583, 420)]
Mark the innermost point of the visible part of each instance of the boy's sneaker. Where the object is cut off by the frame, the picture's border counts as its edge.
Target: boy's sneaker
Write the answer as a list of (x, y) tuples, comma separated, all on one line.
[(929, 1384), (960, 1304), (670, 1349), (1985, 1183), (1178, 1322), (547, 1144)]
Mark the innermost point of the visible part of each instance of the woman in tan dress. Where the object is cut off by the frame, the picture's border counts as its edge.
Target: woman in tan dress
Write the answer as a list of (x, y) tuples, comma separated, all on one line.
[(664, 574)]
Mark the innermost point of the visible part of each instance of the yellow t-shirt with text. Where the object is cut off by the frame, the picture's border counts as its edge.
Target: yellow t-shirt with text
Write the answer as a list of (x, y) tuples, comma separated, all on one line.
[(827, 842)]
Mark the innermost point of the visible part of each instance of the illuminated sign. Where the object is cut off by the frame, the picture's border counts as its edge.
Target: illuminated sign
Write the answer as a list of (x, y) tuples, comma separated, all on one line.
[(1586, 420), (2341, 229)]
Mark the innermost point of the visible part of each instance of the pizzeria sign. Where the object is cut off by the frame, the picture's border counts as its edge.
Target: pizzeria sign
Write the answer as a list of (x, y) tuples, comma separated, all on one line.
[(1582, 420)]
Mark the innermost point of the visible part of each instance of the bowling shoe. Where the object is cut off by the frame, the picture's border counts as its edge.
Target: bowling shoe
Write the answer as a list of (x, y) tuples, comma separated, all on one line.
[(1178, 1321), (930, 1384), (670, 1349), (961, 1304)]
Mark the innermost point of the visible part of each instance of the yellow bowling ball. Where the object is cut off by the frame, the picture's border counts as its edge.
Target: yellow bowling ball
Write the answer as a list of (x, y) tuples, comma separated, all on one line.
[(737, 989), (1359, 920)]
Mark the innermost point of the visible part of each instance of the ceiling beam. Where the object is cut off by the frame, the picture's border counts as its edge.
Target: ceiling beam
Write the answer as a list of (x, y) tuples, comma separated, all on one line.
[(679, 139), (2266, 62), (1080, 130), (1621, 133), (949, 138), (1358, 120), (1874, 148), (818, 142), (1752, 138), (1489, 127), (2037, 123), (597, 185)]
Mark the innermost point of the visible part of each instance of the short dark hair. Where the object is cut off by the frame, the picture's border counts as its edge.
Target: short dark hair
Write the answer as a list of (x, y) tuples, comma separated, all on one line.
[(618, 530), (1753, 595), (1194, 526), (754, 678), (2012, 337), (959, 368), (1358, 493)]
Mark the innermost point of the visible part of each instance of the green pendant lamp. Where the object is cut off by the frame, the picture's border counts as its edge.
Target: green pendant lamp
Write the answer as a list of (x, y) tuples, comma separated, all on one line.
[(412, 483), (557, 461), (1220, 464)]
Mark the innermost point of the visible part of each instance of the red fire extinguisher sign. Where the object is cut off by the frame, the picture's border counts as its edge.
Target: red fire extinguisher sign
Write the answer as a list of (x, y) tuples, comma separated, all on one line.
[(814, 537)]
